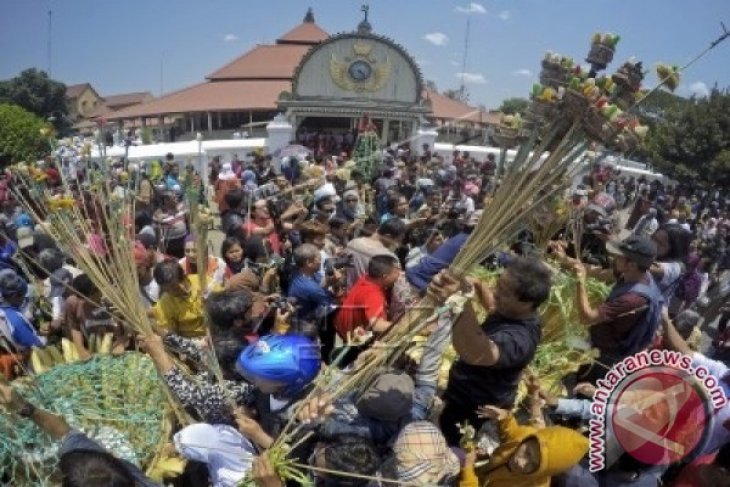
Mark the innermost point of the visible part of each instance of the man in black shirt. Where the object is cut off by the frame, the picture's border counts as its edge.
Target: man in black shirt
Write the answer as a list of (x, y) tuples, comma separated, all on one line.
[(492, 354)]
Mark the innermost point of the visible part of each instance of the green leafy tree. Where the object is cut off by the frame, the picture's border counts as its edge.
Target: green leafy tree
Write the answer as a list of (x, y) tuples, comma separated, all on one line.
[(21, 137), (691, 142), (514, 105), (36, 92)]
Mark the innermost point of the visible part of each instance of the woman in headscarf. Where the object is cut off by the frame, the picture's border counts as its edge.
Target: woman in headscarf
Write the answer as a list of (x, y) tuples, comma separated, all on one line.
[(348, 208), (249, 180)]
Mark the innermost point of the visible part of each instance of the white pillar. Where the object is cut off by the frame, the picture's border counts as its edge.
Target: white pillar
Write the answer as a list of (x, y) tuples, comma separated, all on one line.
[(425, 134), (210, 122), (280, 133)]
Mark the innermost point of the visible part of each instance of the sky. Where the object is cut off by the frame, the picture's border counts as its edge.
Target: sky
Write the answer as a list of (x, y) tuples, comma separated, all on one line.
[(164, 45)]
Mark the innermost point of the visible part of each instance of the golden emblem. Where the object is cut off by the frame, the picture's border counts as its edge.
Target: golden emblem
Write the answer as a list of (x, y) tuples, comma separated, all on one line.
[(360, 72)]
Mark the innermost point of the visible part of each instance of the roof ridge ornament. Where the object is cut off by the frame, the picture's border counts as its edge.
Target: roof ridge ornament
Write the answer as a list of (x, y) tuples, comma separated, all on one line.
[(309, 16), (364, 27)]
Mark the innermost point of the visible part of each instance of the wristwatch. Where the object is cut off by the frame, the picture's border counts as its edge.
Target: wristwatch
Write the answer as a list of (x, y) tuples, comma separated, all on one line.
[(27, 410)]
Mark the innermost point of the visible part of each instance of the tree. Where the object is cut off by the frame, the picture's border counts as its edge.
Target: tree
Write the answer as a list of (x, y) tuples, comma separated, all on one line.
[(691, 142), (36, 92), (23, 135), (656, 106), (514, 105)]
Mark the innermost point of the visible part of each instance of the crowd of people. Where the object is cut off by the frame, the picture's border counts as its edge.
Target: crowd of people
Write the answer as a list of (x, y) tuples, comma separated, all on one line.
[(317, 264)]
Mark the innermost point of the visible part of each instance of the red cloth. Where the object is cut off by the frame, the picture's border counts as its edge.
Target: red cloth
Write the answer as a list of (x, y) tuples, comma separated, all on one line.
[(365, 301), (54, 177), (8, 363), (249, 227)]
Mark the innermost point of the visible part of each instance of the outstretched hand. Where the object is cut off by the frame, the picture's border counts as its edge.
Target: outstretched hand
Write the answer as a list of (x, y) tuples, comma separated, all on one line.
[(492, 412), (315, 409)]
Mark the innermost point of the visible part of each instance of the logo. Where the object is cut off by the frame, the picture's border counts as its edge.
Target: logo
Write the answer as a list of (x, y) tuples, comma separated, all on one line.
[(361, 71), (656, 406)]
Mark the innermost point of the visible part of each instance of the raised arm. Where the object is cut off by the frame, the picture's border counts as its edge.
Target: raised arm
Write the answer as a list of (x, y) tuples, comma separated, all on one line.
[(54, 425)]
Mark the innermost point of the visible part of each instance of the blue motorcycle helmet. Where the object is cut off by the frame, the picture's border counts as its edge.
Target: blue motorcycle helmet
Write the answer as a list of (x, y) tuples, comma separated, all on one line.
[(292, 360), (23, 220)]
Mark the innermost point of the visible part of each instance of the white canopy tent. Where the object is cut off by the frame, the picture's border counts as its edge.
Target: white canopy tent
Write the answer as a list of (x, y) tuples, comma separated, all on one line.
[(197, 153)]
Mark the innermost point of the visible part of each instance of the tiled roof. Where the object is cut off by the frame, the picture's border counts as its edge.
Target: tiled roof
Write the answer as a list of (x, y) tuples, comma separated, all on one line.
[(126, 99), (304, 33), (445, 108), (240, 95), (263, 62), (75, 91)]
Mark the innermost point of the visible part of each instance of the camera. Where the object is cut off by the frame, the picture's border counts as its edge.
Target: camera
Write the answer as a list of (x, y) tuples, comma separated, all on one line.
[(344, 262), (281, 303)]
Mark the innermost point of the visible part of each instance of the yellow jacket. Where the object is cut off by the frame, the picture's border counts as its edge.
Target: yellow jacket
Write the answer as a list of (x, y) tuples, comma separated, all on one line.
[(560, 449), (182, 316), (468, 477)]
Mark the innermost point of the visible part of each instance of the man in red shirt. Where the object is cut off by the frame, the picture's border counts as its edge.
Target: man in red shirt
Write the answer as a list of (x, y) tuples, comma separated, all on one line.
[(366, 305)]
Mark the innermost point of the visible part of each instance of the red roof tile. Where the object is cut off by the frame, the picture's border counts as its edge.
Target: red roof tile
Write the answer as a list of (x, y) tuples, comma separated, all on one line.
[(75, 91), (126, 99), (304, 33), (264, 62), (445, 108), (212, 96)]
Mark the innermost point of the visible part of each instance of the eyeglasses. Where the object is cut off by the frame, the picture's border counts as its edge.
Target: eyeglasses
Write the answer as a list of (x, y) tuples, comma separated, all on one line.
[(327, 210), (351, 200)]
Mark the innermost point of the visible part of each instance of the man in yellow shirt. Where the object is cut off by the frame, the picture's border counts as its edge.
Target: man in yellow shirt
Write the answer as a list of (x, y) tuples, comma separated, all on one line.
[(180, 307)]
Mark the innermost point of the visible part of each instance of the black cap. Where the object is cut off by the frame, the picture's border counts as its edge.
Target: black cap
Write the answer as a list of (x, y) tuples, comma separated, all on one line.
[(635, 248)]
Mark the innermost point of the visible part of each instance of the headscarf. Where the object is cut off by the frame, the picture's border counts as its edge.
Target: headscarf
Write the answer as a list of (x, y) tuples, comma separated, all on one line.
[(422, 455), (249, 179), (226, 173)]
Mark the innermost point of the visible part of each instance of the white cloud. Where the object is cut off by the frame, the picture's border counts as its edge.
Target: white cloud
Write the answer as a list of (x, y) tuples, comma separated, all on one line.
[(522, 72), (473, 78), (230, 38), (454, 63), (504, 15), (437, 38), (472, 8), (699, 88)]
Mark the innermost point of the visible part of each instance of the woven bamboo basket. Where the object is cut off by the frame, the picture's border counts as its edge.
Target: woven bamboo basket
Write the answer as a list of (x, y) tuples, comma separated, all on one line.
[(600, 55), (553, 75), (574, 104), (506, 137), (596, 127), (541, 110), (628, 80)]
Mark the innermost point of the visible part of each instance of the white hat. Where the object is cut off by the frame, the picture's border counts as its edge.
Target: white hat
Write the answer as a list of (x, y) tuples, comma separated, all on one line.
[(327, 190)]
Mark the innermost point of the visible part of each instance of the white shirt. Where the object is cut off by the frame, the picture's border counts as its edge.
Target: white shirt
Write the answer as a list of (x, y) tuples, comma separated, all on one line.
[(228, 454)]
